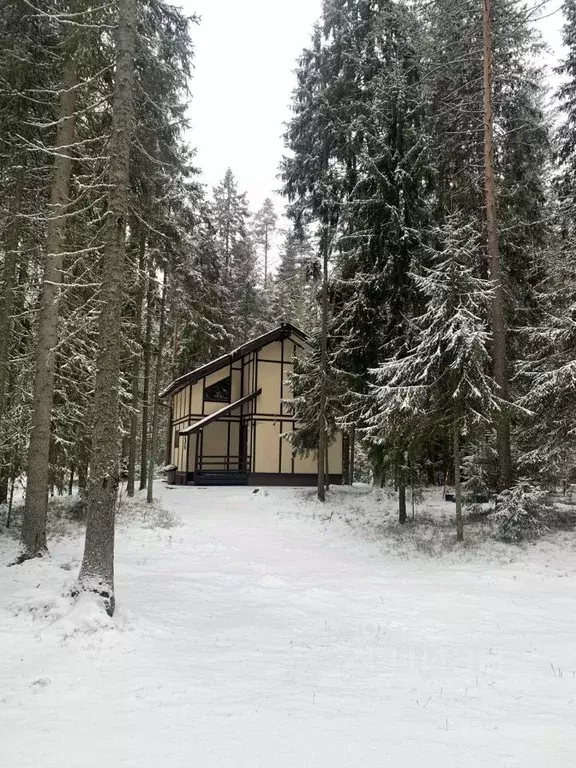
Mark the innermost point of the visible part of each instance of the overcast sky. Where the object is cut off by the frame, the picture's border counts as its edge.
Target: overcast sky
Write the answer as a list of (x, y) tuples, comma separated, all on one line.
[(245, 57)]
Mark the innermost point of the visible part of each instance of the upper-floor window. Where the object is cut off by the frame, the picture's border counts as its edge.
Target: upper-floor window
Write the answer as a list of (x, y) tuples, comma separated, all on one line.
[(218, 392)]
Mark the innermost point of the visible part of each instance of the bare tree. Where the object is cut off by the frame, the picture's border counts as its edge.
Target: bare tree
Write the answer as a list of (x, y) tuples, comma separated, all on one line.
[(97, 570)]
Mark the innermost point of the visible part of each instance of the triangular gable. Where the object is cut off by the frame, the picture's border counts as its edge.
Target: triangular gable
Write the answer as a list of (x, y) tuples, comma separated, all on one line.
[(283, 331)]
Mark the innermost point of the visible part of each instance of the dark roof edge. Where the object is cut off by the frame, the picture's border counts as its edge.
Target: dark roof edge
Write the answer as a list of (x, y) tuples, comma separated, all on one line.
[(283, 331)]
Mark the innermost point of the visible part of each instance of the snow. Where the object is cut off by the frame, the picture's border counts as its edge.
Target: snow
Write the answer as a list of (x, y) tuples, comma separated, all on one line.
[(255, 632)]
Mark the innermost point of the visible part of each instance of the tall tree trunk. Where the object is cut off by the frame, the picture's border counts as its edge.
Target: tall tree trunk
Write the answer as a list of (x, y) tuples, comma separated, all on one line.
[(36, 505), (132, 448), (97, 570), (156, 400), (498, 317), (322, 433), (457, 482), (146, 377), (11, 247)]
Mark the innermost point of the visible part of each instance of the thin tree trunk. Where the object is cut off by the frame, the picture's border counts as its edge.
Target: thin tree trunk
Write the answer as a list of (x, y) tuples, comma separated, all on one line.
[(146, 391), (322, 435), (97, 570), (327, 478), (457, 483), (36, 505), (71, 480), (498, 317), (346, 458), (133, 445), (156, 401), (10, 502), (266, 257), (352, 455), (402, 514), (11, 246)]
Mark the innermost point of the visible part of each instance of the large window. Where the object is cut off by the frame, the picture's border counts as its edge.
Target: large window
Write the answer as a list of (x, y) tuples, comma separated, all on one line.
[(219, 392)]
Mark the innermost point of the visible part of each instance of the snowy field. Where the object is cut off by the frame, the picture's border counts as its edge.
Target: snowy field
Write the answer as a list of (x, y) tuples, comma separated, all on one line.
[(256, 633)]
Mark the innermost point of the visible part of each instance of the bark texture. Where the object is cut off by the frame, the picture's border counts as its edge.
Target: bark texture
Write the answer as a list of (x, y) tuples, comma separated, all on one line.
[(322, 432), (146, 387), (135, 373), (458, 483), (156, 399), (11, 245), (36, 505), (498, 316), (346, 458), (97, 570)]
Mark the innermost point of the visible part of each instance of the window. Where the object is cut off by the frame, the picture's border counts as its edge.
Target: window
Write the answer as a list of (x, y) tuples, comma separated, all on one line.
[(219, 392)]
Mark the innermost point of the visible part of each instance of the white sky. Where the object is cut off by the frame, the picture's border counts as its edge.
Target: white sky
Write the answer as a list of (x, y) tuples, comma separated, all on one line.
[(246, 52), (245, 56)]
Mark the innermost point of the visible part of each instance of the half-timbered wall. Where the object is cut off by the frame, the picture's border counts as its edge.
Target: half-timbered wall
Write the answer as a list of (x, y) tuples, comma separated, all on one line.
[(265, 419)]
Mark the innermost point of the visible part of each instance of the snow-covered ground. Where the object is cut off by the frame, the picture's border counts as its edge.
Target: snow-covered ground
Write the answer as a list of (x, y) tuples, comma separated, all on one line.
[(259, 634)]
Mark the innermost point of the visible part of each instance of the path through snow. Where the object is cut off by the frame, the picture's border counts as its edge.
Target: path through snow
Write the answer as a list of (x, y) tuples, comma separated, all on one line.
[(254, 636)]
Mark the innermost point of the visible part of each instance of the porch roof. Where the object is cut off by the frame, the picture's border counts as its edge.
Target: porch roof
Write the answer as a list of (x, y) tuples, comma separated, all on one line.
[(197, 426)]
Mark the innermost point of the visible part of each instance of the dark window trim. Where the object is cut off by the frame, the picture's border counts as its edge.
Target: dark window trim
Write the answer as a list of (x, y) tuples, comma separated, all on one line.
[(220, 382)]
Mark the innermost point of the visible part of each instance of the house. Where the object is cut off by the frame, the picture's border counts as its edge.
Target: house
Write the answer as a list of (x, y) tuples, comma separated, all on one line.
[(228, 418)]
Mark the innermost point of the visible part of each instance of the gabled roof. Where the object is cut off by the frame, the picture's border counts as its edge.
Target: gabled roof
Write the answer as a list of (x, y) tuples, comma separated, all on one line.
[(198, 425), (283, 331)]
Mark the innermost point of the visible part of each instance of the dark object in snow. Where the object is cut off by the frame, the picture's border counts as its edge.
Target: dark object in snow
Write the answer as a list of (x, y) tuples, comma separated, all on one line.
[(450, 497), (256, 490), (170, 472)]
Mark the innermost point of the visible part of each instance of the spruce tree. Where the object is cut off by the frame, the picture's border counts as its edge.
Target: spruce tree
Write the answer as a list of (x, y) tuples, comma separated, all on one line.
[(97, 570), (438, 381), (265, 222)]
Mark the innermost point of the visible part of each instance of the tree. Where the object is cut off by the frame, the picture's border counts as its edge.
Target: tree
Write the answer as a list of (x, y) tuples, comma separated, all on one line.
[(264, 227), (438, 380), (493, 246), (230, 215), (36, 506), (97, 570), (295, 282), (358, 169)]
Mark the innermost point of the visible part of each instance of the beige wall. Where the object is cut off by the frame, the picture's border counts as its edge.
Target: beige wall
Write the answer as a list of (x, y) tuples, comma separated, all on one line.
[(267, 446), (188, 406), (197, 396), (236, 384), (214, 443), (192, 453), (269, 382)]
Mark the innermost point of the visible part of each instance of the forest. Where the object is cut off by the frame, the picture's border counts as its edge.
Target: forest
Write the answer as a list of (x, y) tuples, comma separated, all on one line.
[(427, 246)]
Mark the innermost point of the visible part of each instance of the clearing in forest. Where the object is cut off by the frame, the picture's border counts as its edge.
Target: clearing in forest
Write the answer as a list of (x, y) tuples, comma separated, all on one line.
[(251, 632)]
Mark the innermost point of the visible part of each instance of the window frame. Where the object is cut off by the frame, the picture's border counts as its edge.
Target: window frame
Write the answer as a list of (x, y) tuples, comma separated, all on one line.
[(220, 382)]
